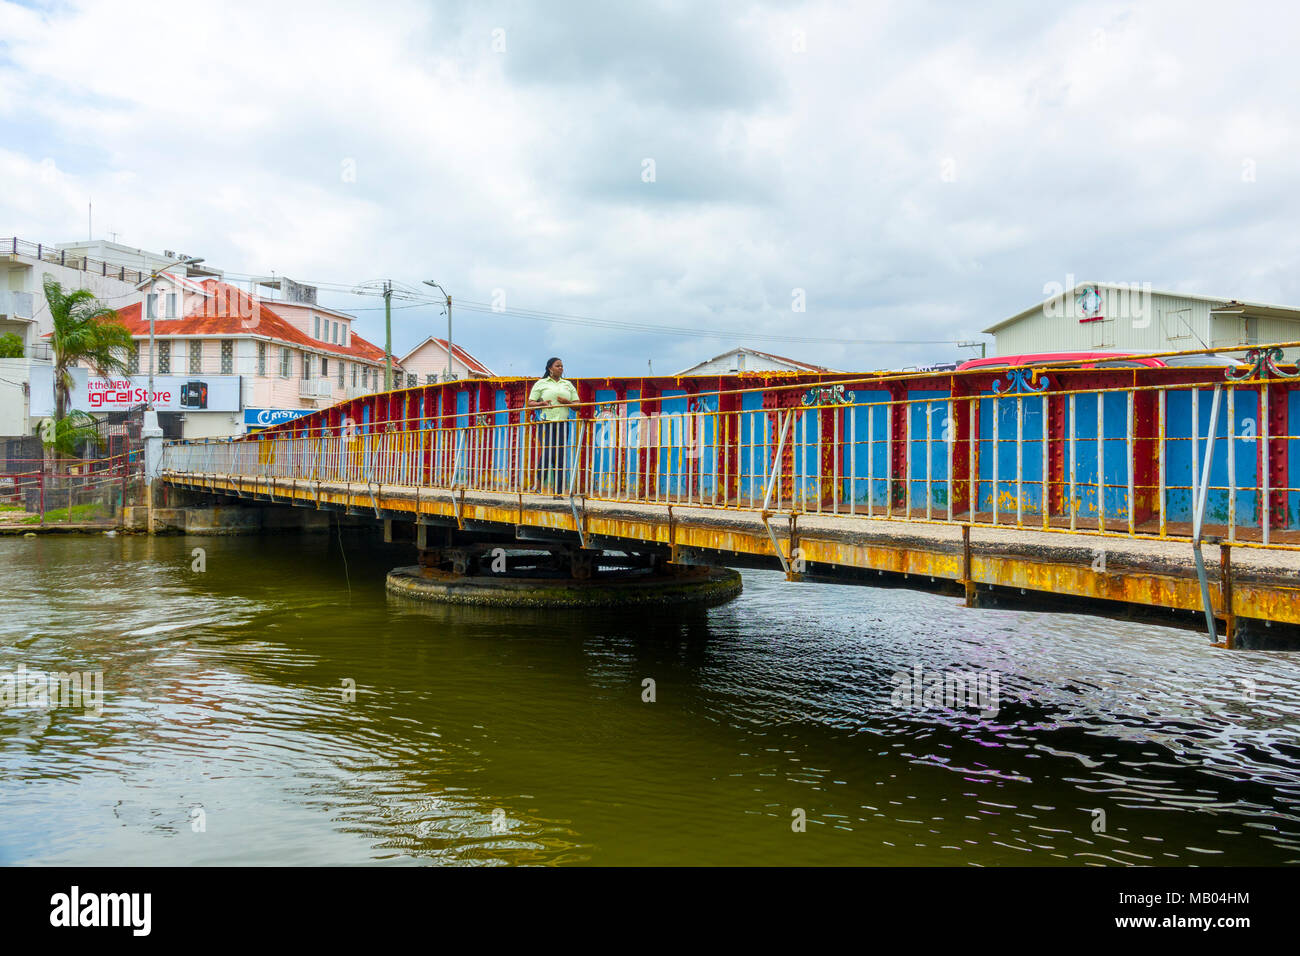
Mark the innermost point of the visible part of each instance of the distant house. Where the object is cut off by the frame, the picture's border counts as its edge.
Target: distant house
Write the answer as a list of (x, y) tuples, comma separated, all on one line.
[(1100, 315), (750, 360), (427, 363)]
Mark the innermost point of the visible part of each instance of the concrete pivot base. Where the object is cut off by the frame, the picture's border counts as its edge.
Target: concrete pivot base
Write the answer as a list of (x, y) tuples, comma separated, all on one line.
[(703, 586)]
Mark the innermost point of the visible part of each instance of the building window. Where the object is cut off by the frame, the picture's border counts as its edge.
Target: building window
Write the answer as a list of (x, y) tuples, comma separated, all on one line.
[(1178, 323), (164, 358), (365, 376), (261, 358), (430, 378), (133, 360), (285, 356), (227, 356), (354, 375), (196, 356), (324, 367), (171, 305), (410, 381), (341, 364), (336, 333), (151, 305), (306, 365), (315, 326)]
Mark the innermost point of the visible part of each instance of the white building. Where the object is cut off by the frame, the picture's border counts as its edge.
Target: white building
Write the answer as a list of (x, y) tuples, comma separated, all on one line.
[(1095, 316), (227, 359), (111, 271), (750, 360)]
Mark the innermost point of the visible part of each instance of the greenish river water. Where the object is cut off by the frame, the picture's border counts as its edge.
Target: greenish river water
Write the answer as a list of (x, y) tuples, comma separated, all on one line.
[(492, 737)]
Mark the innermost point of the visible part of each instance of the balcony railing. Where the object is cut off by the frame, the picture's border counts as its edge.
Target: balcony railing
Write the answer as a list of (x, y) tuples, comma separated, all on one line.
[(315, 388), (12, 245)]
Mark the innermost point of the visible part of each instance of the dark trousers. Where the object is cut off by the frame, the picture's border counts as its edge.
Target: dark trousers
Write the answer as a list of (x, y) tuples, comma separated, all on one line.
[(551, 438)]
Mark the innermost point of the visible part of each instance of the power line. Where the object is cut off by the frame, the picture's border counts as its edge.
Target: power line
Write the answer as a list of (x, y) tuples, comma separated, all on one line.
[(613, 324), (417, 299), (562, 318)]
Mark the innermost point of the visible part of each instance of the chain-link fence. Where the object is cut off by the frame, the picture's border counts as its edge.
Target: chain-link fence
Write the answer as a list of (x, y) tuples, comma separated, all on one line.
[(70, 491), (41, 489)]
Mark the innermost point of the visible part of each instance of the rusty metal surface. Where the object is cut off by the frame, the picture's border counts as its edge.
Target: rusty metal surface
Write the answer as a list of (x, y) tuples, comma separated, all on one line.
[(1265, 584)]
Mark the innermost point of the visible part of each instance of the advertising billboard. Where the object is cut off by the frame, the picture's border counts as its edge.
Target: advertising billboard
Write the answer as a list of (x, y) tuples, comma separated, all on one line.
[(172, 393), (255, 418)]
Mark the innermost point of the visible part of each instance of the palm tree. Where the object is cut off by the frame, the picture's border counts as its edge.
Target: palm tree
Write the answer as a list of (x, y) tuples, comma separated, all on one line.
[(85, 333), (66, 435)]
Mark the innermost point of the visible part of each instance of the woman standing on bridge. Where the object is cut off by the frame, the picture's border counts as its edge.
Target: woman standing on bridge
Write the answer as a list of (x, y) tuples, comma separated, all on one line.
[(551, 394)]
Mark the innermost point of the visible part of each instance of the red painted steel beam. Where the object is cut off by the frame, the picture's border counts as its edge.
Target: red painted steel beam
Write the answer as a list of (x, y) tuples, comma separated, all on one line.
[(1278, 453), (898, 476), (961, 452)]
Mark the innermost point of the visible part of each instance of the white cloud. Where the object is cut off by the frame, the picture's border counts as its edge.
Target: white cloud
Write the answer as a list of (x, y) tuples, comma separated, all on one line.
[(920, 171)]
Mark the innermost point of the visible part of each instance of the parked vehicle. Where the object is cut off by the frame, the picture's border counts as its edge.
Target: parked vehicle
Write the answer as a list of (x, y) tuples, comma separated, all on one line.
[(1098, 360)]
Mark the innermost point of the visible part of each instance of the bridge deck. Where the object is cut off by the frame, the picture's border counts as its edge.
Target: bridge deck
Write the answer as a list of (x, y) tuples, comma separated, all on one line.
[(1264, 584)]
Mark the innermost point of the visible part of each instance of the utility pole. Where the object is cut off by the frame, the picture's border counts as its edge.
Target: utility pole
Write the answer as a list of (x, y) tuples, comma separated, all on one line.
[(153, 278), (430, 282), (388, 335)]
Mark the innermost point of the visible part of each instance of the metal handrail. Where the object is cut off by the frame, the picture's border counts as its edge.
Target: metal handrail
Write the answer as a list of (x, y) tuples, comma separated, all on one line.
[(736, 460)]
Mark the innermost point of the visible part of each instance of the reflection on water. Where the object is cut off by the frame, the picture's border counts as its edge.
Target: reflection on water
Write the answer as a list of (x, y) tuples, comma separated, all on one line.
[(491, 737)]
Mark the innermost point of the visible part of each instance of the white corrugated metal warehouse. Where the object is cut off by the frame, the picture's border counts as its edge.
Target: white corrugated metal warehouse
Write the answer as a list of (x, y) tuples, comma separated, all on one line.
[(1100, 315)]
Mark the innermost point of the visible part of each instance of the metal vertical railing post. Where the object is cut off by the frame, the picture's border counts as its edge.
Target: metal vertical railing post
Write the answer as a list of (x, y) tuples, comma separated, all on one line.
[(1162, 434), (1198, 513), (1232, 463), (1130, 451), (1265, 512)]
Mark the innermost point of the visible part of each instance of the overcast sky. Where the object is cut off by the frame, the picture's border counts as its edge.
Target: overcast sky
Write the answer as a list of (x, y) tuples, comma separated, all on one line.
[(918, 170)]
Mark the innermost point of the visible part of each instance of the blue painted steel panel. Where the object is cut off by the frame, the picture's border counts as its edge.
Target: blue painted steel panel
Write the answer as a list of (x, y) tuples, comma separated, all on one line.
[(1030, 485), (868, 428), (922, 406), (1178, 455)]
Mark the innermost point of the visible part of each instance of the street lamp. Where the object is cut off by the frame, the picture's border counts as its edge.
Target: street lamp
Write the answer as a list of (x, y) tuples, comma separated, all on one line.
[(448, 295), (971, 345), (153, 278)]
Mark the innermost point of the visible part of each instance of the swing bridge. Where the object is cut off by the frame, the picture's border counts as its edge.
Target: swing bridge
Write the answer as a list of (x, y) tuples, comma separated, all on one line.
[(1117, 485)]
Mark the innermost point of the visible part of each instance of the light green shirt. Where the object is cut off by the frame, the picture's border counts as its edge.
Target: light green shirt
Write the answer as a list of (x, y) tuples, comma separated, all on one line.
[(548, 390)]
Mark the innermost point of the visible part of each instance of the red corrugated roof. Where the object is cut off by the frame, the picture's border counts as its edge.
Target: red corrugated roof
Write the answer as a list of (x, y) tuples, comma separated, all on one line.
[(229, 311)]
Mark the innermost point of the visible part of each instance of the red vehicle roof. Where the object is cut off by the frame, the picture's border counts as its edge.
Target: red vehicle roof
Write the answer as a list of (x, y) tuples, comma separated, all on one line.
[(1083, 359)]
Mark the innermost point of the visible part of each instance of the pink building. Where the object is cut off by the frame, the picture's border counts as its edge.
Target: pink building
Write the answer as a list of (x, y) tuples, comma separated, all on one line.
[(288, 354)]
